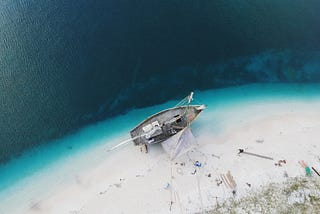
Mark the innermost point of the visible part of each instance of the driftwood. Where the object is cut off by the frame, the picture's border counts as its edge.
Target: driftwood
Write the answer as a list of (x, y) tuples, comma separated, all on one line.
[(241, 151), (315, 171)]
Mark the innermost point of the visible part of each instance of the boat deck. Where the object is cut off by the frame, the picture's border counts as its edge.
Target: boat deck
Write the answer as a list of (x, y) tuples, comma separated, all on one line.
[(161, 126)]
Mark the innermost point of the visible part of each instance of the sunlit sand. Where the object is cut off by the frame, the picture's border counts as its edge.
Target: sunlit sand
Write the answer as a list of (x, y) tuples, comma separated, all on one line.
[(279, 124)]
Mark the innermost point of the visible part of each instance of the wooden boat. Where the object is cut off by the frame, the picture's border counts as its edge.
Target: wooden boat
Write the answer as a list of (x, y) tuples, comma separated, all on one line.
[(164, 125)]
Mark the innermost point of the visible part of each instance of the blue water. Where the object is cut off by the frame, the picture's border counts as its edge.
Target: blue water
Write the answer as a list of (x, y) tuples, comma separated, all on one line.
[(67, 64)]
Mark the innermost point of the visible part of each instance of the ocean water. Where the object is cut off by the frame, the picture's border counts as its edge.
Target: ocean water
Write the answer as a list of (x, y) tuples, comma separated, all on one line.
[(76, 76), (41, 171), (67, 64)]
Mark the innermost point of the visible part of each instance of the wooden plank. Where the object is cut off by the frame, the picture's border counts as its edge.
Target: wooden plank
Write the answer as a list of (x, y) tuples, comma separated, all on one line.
[(225, 180), (231, 179)]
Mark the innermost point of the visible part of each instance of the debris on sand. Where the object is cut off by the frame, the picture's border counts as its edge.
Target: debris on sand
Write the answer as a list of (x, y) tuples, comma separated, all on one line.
[(118, 185), (216, 156), (260, 140), (306, 167), (280, 162), (241, 151), (218, 181), (315, 171)]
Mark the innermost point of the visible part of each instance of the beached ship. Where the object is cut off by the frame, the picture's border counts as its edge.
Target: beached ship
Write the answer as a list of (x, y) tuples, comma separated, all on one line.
[(170, 127)]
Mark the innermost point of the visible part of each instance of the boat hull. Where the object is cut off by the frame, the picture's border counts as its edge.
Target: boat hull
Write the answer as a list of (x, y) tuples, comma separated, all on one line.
[(165, 124)]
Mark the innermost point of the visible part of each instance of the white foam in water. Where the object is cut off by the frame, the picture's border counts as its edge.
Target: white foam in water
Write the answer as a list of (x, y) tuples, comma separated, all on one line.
[(39, 173)]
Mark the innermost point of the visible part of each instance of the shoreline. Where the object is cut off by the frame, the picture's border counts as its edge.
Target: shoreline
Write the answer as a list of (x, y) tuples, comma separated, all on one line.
[(144, 186), (129, 181)]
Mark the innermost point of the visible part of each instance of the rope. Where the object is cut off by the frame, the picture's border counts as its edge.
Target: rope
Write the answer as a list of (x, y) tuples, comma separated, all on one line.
[(199, 191), (198, 179), (184, 100), (173, 191), (197, 102), (178, 199), (171, 183)]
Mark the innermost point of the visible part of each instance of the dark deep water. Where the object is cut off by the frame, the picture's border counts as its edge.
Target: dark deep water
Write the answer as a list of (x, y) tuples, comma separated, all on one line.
[(64, 64)]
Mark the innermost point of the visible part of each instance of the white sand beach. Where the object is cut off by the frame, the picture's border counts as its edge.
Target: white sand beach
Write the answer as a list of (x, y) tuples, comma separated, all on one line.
[(130, 181)]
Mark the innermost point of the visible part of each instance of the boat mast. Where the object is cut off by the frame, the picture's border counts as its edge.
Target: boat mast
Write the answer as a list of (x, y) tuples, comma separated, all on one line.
[(190, 98)]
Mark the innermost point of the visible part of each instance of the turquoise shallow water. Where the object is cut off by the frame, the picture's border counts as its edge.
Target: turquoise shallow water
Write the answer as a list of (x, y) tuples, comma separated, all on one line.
[(221, 104), (112, 131)]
